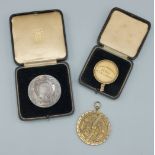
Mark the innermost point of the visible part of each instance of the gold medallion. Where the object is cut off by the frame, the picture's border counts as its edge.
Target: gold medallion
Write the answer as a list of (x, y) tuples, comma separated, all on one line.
[(105, 72), (93, 127)]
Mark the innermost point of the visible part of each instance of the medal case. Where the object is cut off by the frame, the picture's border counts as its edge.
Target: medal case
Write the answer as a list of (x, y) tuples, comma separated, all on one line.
[(39, 47), (120, 41)]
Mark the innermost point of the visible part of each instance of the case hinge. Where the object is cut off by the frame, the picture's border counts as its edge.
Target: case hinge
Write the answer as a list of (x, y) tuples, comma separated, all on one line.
[(35, 64), (115, 52)]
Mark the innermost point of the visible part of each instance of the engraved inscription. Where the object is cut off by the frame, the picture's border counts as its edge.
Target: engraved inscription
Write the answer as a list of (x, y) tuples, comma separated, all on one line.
[(105, 71)]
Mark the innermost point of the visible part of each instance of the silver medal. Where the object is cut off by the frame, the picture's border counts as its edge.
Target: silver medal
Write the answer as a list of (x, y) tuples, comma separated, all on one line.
[(44, 91)]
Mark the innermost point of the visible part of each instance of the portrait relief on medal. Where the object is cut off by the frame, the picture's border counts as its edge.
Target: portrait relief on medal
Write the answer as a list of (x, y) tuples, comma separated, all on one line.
[(44, 91)]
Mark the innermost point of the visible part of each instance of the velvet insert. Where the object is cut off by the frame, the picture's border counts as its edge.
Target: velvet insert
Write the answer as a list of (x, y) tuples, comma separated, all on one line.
[(112, 90), (27, 110)]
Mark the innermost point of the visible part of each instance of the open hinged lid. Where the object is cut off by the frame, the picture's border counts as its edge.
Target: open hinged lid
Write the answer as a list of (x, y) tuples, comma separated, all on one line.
[(124, 32), (38, 37)]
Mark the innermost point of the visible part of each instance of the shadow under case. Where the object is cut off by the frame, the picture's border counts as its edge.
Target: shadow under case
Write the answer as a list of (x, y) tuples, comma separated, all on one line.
[(39, 47), (120, 41)]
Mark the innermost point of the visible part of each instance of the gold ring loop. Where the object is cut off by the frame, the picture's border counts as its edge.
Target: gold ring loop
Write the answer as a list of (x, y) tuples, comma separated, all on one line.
[(97, 105)]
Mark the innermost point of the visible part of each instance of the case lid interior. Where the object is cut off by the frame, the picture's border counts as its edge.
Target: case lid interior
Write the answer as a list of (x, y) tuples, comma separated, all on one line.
[(38, 37), (124, 32)]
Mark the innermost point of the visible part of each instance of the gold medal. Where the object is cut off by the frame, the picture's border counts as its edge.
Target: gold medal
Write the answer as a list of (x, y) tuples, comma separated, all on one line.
[(105, 72), (93, 127)]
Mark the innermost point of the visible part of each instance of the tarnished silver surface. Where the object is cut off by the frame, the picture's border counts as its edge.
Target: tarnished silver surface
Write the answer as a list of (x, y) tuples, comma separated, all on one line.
[(44, 91)]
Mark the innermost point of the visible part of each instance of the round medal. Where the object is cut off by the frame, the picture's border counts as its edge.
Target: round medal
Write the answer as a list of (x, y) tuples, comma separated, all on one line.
[(93, 127), (44, 91), (105, 72)]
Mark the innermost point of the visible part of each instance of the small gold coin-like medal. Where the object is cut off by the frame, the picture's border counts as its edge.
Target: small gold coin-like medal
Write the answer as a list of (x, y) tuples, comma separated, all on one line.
[(105, 72), (93, 127)]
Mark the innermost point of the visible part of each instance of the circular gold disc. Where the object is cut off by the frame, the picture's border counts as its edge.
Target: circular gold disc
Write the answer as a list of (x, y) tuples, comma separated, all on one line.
[(105, 71), (93, 128)]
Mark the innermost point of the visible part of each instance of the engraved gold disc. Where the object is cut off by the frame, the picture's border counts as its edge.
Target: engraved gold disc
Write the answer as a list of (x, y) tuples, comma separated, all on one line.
[(105, 72), (93, 127)]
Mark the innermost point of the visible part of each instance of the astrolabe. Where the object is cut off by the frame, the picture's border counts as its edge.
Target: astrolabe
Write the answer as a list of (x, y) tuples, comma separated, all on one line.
[(93, 127), (105, 72), (44, 91)]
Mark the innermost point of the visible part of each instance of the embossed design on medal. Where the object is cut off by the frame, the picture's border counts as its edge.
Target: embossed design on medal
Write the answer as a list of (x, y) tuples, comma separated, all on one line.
[(93, 127), (105, 72), (44, 91)]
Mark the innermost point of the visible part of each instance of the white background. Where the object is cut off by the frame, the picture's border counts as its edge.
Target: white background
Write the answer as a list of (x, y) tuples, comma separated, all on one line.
[(131, 115)]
